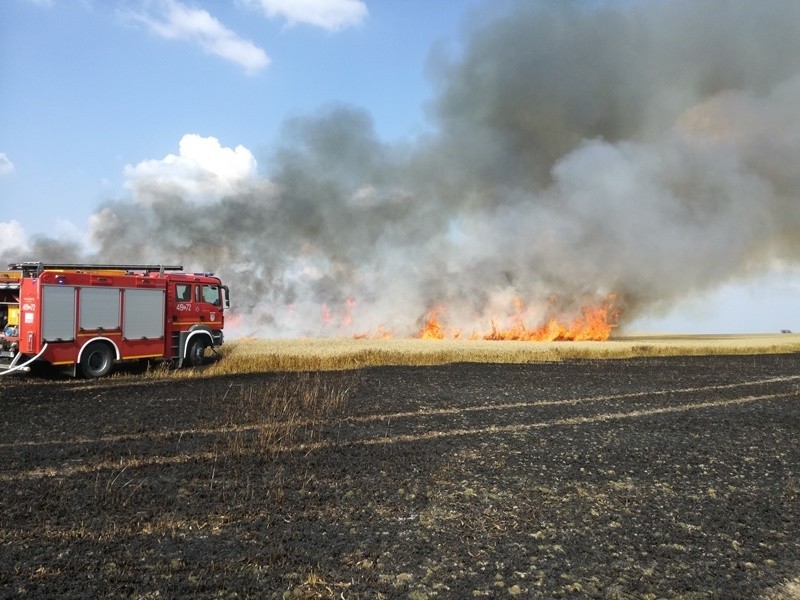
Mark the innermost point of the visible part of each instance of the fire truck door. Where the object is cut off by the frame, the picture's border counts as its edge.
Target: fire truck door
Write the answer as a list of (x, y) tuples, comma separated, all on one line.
[(209, 300)]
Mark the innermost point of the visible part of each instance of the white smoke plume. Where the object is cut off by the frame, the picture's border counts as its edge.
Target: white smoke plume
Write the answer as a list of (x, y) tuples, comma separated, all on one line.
[(644, 149)]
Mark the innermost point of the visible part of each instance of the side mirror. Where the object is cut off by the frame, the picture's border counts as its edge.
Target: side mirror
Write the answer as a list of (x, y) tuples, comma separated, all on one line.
[(226, 293)]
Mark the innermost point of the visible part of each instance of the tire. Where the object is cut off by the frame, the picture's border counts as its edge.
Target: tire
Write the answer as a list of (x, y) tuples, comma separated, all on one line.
[(97, 360), (195, 351)]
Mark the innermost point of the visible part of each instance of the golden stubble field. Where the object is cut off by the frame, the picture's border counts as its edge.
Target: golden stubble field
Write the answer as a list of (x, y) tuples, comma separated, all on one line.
[(260, 355)]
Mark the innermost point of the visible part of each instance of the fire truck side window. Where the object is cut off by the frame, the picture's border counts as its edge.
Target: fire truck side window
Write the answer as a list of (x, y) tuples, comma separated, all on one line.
[(183, 292), (211, 294)]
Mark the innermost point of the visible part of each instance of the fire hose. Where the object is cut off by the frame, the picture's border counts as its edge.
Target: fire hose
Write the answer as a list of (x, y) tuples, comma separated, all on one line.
[(12, 368)]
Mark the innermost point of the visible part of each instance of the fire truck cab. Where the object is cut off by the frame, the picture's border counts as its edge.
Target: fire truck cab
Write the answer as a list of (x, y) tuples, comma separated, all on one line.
[(86, 317)]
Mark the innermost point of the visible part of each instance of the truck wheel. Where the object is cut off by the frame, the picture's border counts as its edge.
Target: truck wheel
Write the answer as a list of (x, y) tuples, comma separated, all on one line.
[(195, 351), (97, 360)]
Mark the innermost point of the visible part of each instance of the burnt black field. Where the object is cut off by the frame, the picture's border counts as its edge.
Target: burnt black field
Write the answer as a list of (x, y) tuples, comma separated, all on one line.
[(641, 478)]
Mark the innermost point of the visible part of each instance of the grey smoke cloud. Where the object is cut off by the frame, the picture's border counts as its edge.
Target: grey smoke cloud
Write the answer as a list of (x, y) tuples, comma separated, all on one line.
[(647, 149)]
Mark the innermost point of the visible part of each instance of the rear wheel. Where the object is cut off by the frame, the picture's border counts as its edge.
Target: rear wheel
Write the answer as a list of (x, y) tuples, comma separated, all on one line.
[(196, 350), (96, 360)]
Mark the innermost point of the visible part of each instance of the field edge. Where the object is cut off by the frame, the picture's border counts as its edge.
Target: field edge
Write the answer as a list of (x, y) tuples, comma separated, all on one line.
[(250, 355)]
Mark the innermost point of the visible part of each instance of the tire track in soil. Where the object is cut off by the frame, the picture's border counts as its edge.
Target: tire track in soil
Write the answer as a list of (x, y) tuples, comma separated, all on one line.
[(492, 429), (429, 412)]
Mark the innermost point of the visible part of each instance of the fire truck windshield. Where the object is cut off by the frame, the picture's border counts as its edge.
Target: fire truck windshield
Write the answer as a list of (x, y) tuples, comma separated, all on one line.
[(211, 294)]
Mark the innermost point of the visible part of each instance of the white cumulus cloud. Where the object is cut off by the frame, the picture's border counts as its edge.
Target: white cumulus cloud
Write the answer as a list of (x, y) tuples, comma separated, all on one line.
[(6, 166), (174, 20), (202, 171), (328, 14)]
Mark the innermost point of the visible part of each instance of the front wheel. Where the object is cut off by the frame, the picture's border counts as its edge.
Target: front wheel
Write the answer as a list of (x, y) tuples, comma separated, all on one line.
[(96, 360), (196, 350)]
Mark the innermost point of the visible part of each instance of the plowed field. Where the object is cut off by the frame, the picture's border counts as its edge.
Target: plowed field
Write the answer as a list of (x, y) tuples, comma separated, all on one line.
[(641, 478)]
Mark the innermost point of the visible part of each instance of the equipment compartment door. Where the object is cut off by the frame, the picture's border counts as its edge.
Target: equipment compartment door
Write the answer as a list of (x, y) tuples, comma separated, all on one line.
[(143, 314), (99, 308), (58, 313)]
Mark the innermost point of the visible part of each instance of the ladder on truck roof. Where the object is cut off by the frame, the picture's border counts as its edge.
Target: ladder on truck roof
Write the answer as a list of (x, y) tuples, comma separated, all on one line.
[(36, 268)]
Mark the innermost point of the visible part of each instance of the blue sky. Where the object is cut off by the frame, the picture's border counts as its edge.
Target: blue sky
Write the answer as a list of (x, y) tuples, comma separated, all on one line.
[(89, 86), (101, 99)]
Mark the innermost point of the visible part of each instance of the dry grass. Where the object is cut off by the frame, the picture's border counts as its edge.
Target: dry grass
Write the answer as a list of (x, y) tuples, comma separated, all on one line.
[(268, 419), (788, 591), (261, 355)]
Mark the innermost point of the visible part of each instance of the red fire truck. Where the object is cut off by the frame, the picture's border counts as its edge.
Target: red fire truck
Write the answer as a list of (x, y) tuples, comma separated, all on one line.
[(85, 317)]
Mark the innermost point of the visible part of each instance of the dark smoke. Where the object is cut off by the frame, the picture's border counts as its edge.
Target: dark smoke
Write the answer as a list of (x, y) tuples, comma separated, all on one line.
[(649, 149)]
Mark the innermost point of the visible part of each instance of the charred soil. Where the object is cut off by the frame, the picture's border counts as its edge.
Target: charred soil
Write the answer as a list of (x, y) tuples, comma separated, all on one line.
[(638, 478)]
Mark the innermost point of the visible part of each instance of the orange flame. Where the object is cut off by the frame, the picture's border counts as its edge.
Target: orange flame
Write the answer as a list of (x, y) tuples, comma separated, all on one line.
[(595, 323), (380, 333), (433, 329), (350, 306), (327, 317)]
